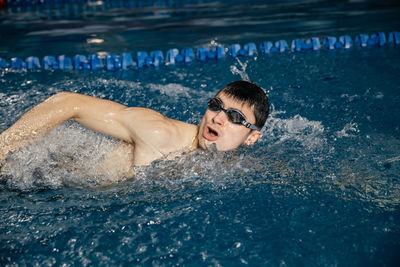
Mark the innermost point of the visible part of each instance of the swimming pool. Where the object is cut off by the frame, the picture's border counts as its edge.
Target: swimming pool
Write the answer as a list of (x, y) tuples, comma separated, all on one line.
[(320, 188)]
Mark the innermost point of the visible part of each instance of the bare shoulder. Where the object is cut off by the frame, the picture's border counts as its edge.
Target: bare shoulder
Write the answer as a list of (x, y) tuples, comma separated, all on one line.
[(139, 113), (151, 128), (143, 118), (148, 121)]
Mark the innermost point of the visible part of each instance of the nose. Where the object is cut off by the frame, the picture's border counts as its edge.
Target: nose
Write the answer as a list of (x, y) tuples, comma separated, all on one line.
[(219, 118)]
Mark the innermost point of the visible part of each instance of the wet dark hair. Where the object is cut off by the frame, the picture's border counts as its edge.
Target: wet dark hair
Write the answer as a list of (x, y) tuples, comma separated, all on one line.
[(252, 95)]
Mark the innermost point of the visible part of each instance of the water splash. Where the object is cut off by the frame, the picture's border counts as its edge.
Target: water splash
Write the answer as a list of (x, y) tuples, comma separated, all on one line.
[(242, 71), (294, 151), (70, 155), (172, 90), (210, 168), (347, 129), (298, 129)]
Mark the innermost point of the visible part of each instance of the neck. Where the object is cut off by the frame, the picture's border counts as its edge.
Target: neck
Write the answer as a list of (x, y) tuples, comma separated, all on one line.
[(195, 140)]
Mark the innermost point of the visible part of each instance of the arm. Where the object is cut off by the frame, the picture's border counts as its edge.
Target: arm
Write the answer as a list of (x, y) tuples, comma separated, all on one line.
[(152, 134), (95, 113)]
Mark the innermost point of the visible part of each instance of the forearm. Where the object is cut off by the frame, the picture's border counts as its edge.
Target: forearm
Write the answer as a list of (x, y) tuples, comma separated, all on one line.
[(37, 121)]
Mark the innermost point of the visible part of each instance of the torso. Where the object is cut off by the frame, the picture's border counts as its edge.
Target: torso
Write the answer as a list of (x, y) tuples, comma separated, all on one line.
[(171, 140)]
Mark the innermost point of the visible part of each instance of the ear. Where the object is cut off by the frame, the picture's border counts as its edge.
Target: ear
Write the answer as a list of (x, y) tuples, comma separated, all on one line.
[(252, 138)]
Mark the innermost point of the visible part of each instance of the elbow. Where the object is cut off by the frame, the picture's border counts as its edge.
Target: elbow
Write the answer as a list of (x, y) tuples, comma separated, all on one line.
[(64, 99), (65, 102), (60, 97)]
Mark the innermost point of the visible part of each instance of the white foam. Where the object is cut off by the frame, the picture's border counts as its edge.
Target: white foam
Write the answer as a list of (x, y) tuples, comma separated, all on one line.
[(171, 89), (69, 155), (211, 168), (309, 134), (347, 130)]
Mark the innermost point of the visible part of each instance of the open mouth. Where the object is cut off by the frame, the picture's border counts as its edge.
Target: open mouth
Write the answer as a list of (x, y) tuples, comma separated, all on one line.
[(210, 134)]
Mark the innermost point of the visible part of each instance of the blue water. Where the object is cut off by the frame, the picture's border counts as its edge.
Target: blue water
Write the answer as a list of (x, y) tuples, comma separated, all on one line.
[(321, 187)]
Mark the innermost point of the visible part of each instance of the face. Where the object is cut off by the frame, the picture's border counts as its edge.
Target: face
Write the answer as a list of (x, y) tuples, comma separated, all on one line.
[(215, 127)]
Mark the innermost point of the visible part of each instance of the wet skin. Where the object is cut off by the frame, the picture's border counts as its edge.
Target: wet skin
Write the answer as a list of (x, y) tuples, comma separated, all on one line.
[(215, 127), (150, 134)]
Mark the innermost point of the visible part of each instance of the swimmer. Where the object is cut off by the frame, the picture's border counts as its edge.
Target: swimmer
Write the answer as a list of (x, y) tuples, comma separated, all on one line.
[(234, 117)]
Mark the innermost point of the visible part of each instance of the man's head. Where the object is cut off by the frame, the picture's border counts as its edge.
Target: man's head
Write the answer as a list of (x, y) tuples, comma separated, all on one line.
[(223, 124)]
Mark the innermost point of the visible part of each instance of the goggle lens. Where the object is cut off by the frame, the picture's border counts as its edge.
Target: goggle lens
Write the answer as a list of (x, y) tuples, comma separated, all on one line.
[(234, 116), (214, 105)]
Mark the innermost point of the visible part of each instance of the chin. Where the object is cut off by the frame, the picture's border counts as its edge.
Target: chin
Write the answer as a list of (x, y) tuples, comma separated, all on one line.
[(202, 143), (207, 145), (213, 145), (217, 147)]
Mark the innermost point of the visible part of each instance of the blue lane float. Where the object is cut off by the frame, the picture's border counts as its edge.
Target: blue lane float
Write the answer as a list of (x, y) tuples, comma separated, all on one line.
[(156, 59)]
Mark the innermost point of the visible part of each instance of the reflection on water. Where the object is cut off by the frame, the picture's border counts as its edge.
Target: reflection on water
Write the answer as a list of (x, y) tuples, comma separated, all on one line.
[(155, 26)]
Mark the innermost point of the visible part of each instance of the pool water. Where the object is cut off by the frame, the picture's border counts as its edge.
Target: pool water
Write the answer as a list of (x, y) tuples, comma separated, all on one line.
[(321, 187)]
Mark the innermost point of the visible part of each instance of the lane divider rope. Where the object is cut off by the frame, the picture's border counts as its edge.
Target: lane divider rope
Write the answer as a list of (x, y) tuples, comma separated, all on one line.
[(156, 59)]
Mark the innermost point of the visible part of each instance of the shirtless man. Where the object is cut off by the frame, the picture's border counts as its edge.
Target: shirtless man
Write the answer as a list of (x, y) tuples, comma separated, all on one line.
[(234, 117)]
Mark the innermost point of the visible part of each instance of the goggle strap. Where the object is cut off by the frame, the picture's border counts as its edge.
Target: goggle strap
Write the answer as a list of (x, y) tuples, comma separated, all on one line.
[(250, 126)]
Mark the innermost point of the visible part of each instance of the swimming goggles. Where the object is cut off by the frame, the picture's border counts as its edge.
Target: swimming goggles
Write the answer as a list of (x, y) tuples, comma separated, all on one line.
[(235, 116)]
